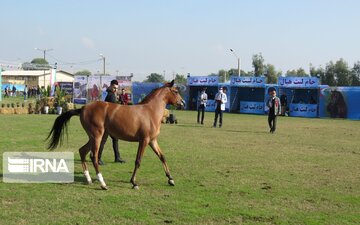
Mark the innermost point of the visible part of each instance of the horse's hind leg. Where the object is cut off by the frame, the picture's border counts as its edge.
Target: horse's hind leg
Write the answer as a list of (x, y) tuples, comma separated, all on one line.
[(95, 150), (84, 150), (156, 148)]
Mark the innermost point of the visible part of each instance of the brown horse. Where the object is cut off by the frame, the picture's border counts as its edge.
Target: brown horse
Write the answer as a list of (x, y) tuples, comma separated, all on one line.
[(135, 123)]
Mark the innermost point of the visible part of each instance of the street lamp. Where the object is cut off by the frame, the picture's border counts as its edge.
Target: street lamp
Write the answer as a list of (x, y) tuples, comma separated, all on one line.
[(44, 51), (103, 58), (238, 60)]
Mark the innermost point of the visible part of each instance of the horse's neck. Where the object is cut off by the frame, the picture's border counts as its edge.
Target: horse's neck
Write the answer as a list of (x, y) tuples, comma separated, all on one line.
[(157, 104)]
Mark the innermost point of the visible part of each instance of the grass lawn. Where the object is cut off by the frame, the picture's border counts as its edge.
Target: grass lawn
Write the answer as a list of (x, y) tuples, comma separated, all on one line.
[(308, 172)]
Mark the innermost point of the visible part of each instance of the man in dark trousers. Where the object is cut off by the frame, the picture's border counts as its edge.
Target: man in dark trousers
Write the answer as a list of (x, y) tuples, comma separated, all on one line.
[(220, 99), (202, 105), (274, 109), (111, 97)]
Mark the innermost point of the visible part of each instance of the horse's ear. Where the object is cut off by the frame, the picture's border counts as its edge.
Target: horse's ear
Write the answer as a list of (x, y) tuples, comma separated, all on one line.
[(170, 84)]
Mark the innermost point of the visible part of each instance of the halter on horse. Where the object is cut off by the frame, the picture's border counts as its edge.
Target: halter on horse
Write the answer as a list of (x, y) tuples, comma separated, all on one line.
[(135, 123)]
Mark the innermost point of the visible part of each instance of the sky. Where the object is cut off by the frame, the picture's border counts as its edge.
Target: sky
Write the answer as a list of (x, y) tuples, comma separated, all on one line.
[(183, 36)]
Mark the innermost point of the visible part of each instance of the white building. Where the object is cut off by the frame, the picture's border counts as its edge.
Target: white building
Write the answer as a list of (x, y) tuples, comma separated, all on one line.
[(34, 77)]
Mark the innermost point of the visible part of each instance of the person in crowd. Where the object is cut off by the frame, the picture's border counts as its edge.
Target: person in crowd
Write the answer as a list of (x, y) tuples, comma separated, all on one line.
[(14, 91), (202, 105), (111, 97), (25, 92), (274, 105), (123, 97), (220, 99), (283, 101)]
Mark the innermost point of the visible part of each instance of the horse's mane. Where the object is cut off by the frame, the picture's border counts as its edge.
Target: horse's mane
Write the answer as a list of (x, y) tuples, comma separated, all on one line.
[(150, 96)]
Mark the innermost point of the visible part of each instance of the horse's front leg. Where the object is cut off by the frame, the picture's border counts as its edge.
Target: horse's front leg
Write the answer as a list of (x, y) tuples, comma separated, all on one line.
[(139, 155), (156, 148)]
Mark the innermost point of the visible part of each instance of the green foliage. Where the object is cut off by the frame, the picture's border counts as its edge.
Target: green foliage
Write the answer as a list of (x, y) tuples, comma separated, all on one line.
[(39, 61), (154, 78), (258, 64), (355, 74), (180, 79), (342, 73), (83, 73), (271, 74), (239, 174), (296, 73)]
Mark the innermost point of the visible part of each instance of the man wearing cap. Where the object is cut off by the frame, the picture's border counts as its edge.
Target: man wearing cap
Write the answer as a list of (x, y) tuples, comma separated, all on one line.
[(220, 99), (202, 100)]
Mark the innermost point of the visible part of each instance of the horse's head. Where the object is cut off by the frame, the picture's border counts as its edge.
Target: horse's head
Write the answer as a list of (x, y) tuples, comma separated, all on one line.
[(173, 97)]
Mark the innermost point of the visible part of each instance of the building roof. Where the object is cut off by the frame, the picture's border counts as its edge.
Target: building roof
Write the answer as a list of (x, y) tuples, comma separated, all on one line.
[(31, 73)]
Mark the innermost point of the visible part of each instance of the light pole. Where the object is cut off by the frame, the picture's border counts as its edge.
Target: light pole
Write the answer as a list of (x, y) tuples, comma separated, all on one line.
[(238, 61), (103, 58), (44, 51)]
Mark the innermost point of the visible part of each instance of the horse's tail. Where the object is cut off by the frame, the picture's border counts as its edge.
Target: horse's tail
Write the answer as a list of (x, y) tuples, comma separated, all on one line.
[(56, 134)]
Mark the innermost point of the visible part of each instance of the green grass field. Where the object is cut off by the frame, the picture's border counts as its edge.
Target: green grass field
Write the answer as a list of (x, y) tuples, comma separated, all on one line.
[(308, 172)]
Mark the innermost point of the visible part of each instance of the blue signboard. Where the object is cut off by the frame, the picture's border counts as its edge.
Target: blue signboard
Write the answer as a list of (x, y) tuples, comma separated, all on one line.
[(340, 102), (210, 105), (303, 110), (247, 81), (298, 82), (252, 107), (203, 81)]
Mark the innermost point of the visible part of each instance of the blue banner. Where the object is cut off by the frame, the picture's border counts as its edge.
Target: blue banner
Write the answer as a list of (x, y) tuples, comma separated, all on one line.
[(210, 105), (203, 81), (247, 81), (252, 107), (298, 82), (141, 90), (340, 102), (303, 110)]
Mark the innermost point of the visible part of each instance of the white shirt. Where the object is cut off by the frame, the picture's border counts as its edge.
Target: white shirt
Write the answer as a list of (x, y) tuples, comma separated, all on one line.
[(203, 98), (221, 96)]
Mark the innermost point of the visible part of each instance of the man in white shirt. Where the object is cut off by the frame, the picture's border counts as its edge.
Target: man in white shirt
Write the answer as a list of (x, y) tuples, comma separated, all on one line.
[(220, 99), (202, 105)]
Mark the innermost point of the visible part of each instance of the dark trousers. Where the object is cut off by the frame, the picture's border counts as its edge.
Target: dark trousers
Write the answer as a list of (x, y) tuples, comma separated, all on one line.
[(202, 109), (218, 113), (272, 122), (115, 144)]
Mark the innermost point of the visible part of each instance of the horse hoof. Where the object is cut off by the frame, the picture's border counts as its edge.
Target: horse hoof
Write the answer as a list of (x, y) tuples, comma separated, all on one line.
[(89, 182), (104, 187), (171, 182), (136, 187)]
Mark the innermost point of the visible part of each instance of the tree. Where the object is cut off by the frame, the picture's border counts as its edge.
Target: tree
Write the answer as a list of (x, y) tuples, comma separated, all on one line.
[(39, 61), (296, 73), (271, 74), (317, 72), (342, 73), (258, 64), (180, 79), (355, 75), (329, 76), (154, 78), (223, 76), (83, 73), (36, 64)]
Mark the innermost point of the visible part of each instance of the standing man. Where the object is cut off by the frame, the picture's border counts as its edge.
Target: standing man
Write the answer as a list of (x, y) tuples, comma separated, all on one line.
[(25, 92), (274, 109), (283, 101), (220, 99), (124, 99), (202, 100), (111, 97)]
